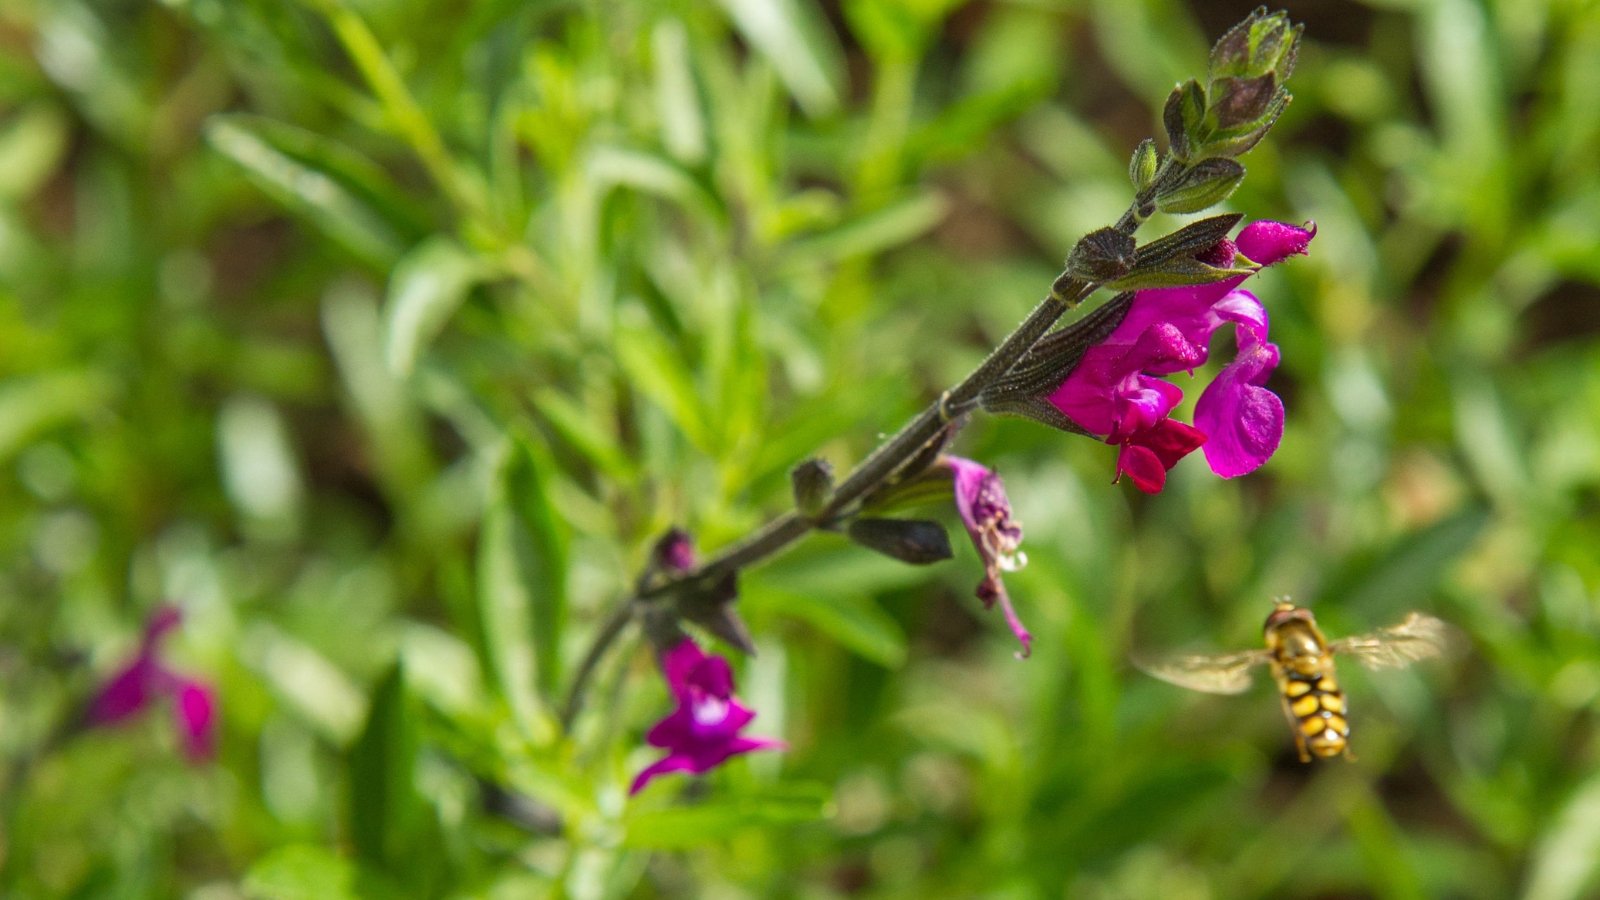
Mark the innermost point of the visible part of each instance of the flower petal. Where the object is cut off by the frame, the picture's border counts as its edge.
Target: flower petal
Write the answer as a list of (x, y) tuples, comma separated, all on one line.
[(1243, 419), (1146, 456), (1266, 242), (991, 591), (195, 709), (713, 676), (679, 664), (672, 763), (126, 694)]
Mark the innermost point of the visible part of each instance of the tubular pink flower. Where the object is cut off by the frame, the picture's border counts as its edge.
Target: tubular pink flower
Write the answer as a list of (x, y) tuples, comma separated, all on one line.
[(1117, 389), (986, 512), (146, 679), (703, 731)]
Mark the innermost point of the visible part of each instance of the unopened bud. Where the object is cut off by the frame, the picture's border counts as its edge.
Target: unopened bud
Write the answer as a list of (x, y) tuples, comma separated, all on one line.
[(1263, 43), (1142, 166), (813, 486), (1249, 67), (674, 552)]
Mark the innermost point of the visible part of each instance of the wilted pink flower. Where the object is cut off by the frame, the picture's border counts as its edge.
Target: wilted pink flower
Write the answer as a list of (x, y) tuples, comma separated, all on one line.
[(1117, 389), (986, 512), (704, 730), (146, 679)]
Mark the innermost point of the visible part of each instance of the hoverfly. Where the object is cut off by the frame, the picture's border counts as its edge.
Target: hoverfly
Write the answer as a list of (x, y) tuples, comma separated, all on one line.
[(1302, 664)]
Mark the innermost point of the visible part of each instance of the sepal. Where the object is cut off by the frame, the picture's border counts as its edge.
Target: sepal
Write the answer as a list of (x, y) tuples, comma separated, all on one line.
[(1184, 118), (1201, 186), (713, 609), (915, 541), (1101, 256)]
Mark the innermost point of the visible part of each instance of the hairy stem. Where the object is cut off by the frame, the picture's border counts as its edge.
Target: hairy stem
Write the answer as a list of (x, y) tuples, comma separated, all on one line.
[(778, 534)]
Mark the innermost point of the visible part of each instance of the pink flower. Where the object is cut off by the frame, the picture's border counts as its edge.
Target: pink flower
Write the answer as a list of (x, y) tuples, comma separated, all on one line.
[(1117, 389), (146, 679), (986, 512), (704, 730)]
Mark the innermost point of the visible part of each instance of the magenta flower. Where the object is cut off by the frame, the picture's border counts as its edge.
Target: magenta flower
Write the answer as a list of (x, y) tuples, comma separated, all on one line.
[(147, 679), (704, 730), (1117, 390), (985, 510)]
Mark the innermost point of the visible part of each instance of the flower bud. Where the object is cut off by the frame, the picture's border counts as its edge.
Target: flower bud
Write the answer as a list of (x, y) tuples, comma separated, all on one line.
[(674, 552), (1264, 43), (813, 486), (1142, 167), (1249, 67)]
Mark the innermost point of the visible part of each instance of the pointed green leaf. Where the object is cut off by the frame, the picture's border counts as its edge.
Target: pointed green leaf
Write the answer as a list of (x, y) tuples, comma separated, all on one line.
[(385, 808), (329, 185), (427, 287)]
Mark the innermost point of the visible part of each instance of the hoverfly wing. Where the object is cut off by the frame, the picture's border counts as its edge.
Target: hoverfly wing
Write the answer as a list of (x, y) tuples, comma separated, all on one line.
[(1223, 673), (1418, 637)]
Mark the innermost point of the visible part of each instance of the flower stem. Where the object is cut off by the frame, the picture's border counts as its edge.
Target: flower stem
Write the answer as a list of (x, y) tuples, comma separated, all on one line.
[(778, 534)]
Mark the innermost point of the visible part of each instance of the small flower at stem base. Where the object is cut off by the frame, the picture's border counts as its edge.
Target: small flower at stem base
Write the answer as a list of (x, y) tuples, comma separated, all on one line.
[(704, 731), (986, 512)]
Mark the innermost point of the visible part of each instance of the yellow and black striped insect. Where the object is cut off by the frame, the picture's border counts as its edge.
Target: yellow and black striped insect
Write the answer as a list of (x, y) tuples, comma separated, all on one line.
[(1302, 664)]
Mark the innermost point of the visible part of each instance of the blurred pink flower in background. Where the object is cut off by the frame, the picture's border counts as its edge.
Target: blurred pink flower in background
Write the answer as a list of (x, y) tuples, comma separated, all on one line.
[(146, 680)]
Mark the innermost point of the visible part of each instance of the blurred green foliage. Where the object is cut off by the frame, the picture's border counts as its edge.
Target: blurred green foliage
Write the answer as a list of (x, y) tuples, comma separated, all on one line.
[(384, 335)]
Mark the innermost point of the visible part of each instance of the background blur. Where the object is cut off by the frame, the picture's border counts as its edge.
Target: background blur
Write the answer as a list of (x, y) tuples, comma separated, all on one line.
[(384, 335)]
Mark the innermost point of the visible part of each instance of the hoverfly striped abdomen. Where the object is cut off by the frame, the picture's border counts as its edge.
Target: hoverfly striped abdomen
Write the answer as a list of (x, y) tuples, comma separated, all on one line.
[(1316, 705), (1303, 668)]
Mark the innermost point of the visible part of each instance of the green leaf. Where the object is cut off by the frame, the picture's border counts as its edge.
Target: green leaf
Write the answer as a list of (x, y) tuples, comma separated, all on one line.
[(328, 184), (312, 872), (30, 405), (539, 534), (725, 816), (1567, 858), (855, 621), (576, 425), (1409, 570), (889, 226), (31, 146), (658, 371), (504, 602), (683, 126), (385, 809), (427, 287), (799, 45)]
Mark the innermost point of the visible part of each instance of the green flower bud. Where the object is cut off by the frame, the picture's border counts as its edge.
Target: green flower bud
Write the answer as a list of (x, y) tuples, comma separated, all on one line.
[(813, 486), (1142, 167), (1261, 44)]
